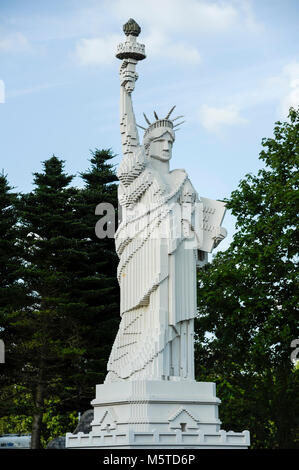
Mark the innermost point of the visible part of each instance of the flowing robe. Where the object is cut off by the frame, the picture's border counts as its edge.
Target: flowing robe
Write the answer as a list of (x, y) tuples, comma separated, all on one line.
[(156, 274)]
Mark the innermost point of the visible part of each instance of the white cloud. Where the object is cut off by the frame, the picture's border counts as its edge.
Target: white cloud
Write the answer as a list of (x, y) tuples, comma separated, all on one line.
[(2, 91), (96, 51), (281, 89), (213, 119), (284, 88), (177, 16), (292, 99), (34, 89), (160, 46), (291, 76), (246, 13), (14, 42), (170, 28), (101, 50)]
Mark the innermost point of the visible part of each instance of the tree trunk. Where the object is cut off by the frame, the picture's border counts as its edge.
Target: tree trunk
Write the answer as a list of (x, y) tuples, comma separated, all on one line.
[(38, 413)]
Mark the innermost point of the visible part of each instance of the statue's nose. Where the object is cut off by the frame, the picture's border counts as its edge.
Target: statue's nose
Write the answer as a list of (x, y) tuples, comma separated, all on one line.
[(166, 145)]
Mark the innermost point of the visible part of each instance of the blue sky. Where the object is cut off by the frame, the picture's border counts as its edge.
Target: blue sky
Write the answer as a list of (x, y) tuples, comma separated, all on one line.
[(231, 67)]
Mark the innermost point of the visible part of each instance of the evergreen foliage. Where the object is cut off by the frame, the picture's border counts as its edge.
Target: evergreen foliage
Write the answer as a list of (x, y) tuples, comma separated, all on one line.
[(96, 288), (63, 333)]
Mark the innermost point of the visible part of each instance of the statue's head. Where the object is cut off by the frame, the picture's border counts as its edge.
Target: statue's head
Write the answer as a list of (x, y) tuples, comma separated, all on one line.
[(158, 143), (159, 137)]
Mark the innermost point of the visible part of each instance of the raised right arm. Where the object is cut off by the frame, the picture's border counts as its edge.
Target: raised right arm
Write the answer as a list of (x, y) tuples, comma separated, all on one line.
[(128, 128)]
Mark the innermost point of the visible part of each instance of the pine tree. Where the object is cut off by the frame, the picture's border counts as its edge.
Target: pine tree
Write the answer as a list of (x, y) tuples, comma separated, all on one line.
[(63, 332), (48, 343), (13, 294), (97, 287), (10, 251)]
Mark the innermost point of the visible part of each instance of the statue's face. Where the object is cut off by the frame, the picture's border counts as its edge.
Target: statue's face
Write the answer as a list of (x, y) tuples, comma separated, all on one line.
[(161, 147)]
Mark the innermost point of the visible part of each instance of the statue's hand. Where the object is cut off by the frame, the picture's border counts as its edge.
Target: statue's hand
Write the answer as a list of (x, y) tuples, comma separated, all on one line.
[(128, 76)]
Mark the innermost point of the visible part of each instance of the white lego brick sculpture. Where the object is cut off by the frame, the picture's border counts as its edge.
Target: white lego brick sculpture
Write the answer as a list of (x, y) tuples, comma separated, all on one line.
[(150, 397)]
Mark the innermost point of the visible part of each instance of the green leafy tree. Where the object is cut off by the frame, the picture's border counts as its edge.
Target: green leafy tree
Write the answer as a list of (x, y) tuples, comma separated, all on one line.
[(54, 423), (248, 300)]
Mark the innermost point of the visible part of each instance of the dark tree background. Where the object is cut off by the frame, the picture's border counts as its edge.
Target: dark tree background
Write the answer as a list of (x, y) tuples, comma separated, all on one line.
[(58, 341), (96, 288)]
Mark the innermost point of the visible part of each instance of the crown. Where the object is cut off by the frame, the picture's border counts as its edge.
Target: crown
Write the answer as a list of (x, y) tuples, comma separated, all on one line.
[(164, 122)]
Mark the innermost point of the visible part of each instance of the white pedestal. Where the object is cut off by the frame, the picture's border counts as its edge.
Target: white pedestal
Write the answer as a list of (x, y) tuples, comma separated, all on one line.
[(153, 414)]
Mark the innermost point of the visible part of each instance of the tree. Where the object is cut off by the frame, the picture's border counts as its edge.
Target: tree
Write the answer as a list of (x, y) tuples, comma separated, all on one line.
[(45, 348), (61, 338), (94, 282), (13, 292), (98, 287), (248, 299)]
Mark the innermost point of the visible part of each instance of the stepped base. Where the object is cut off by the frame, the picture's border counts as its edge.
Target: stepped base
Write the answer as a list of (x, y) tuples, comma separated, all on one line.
[(156, 414)]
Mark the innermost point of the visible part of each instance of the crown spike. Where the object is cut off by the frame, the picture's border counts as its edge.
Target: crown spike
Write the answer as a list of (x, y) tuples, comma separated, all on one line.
[(147, 120), (178, 124), (178, 117), (156, 115), (141, 127), (167, 117)]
